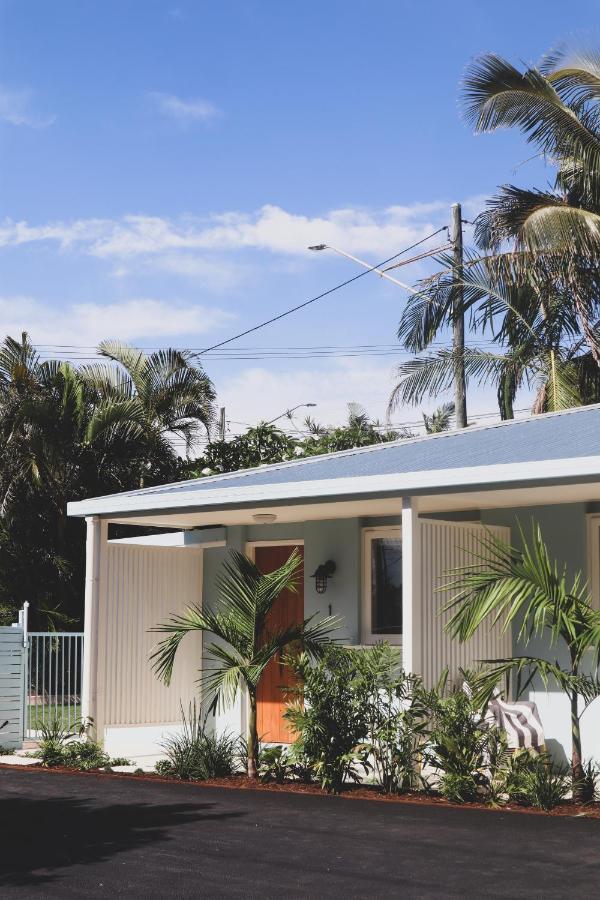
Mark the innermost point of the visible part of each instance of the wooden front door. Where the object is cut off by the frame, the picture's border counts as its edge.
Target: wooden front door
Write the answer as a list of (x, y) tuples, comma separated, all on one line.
[(288, 608)]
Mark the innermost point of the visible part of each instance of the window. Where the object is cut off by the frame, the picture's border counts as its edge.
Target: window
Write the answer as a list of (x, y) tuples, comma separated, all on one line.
[(593, 523), (382, 571)]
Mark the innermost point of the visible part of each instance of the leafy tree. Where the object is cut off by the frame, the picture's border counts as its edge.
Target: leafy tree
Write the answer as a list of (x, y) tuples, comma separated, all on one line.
[(556, 107), (532, 282), (360, 431), (266, 444), (539, 344), (244, 643), (150, 398), (525, 588), (256, 447), (67, 434)]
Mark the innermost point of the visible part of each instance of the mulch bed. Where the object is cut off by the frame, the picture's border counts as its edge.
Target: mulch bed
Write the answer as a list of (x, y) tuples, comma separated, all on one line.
[(352, 792)]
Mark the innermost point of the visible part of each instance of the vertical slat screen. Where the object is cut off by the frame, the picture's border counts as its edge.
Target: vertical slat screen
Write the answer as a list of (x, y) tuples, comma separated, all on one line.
[(445, 546), (12, 661), (144, 587)]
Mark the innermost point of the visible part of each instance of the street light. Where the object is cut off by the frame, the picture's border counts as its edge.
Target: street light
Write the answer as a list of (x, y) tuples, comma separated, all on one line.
[(365, 265), (289, 412)]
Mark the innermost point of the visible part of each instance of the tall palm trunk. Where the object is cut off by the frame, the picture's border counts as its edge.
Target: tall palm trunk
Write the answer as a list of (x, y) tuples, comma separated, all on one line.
[(252, 735), (576, 761)]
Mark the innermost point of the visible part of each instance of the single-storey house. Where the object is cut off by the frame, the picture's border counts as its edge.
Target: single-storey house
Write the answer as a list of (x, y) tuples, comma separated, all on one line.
[(392, 517)]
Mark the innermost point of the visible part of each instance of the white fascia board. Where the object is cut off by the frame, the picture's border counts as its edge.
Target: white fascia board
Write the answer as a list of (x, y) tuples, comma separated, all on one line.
[(497, 475)]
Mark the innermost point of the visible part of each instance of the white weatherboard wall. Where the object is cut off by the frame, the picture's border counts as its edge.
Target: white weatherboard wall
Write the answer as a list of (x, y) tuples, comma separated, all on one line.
[(143, 586), (446, 546)]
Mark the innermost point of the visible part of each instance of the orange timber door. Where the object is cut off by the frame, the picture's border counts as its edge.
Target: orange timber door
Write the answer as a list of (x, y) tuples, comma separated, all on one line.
[(288, 608)]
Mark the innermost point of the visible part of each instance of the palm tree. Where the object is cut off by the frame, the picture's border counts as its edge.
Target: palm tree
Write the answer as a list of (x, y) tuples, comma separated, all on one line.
[(526, 588), (556, 106), (149, 397), (439, 420), (539, 247), (245, 643), (537, 334)]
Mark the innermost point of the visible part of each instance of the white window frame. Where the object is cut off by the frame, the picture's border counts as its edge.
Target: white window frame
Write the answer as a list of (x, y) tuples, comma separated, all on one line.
[(368, 535), (593, 553)]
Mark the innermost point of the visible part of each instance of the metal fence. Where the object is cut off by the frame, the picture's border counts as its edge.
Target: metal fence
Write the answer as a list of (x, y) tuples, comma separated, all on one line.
[(53, 680)]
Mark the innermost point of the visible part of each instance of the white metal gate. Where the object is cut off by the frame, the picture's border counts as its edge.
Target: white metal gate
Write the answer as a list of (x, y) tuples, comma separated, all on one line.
[(53, 680)]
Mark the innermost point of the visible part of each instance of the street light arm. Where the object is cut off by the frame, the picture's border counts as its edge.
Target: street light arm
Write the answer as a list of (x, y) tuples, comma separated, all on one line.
[(365, 265)]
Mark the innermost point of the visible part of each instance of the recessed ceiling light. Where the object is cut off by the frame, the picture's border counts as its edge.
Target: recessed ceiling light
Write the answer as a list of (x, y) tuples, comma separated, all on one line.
[(264, 518)]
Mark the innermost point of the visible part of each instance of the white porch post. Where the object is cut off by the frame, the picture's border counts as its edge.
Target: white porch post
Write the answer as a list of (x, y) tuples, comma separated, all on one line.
[(97, 532), (411, 587)]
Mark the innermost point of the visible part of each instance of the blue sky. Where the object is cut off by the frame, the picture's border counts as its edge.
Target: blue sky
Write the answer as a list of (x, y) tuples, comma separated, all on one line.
[(164, 165)]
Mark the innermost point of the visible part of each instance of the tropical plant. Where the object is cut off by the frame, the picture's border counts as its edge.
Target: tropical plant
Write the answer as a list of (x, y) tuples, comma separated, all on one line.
[(84, 755), (325, 715), (457, 744), (440, 419), (55, 739), (275, 764), (395, 718), (532, 281), (535, 339), (255, 447), (149, 398), (196, 754), (56, 446), (539, 782), (525, 588), (359, 431), (244, 642), (556, 107)]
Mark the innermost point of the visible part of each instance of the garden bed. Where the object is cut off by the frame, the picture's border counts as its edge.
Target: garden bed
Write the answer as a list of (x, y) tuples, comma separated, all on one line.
[(351, 792)]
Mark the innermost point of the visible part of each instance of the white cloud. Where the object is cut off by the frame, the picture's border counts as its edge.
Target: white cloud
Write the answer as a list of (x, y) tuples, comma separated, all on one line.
[(84, 324), (271, 228), (16, 109), (256, 394), (184, 111)]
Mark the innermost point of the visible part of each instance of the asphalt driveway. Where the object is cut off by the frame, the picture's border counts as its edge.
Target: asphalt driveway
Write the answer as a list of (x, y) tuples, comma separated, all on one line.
[(73, 836)]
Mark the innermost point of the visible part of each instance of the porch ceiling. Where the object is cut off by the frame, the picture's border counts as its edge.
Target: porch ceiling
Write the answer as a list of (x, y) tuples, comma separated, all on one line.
[(448, 501)]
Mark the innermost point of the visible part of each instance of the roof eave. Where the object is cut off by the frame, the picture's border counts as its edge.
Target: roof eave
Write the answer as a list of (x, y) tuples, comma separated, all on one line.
[(497, 476)]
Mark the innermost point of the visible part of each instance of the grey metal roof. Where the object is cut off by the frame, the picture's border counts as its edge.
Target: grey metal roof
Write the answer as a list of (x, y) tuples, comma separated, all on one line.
[(565, 435)]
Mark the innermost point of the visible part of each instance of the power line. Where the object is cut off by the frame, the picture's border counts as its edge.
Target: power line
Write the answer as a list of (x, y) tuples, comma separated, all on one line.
[(337, 287)]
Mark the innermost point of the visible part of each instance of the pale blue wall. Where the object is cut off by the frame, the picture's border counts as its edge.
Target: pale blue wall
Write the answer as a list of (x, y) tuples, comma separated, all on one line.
[(563, 527)]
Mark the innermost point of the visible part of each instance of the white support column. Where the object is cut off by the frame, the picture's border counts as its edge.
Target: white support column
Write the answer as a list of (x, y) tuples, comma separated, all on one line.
[(97, 533), (411, 587)]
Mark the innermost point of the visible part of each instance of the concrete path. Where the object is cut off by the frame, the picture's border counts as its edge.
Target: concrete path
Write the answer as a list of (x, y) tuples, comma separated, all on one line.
[(69, 836)]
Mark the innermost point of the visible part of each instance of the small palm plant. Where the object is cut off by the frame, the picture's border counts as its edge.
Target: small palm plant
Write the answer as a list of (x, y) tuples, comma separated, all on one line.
[(527, 587), (245, 643)]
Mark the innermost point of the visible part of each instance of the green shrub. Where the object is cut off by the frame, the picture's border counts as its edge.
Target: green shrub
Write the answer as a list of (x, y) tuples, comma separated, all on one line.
[(84, 756), (53, 740), (329, 722), (163, 767), (195, 754), (543, 784), (59, 746), (120, 761), (459, 788), (457, 745), (395, 718), (275, 764), (589, 784)]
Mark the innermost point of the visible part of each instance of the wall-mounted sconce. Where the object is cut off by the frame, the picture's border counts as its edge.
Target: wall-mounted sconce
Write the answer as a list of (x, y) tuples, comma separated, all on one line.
[(321, 574)]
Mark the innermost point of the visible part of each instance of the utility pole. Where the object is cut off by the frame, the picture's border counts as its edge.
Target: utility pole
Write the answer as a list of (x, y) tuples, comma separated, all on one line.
[(222, 424), (458, 320)]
